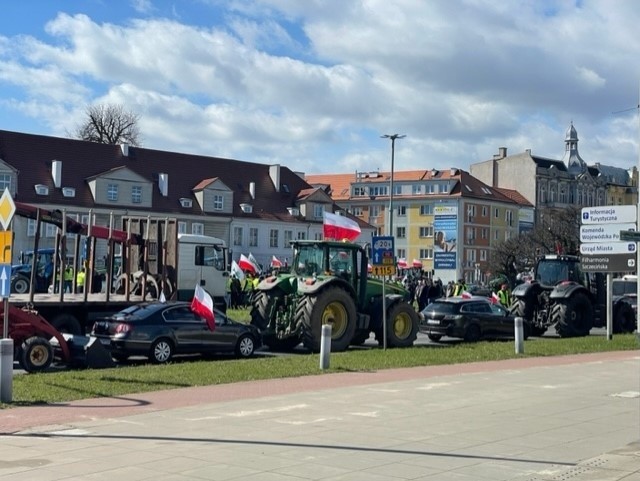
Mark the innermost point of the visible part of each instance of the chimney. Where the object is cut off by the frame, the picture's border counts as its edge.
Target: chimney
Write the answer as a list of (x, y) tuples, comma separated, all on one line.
[(163, 183), (56, 173), (125, 149), (274, 173), (252, 189)]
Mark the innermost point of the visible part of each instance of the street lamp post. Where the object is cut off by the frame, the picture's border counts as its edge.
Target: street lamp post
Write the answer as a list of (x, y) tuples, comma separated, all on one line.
[(393, 138)]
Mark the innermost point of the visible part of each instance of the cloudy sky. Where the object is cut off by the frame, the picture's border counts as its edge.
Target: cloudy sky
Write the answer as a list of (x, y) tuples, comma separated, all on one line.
[(312, 84)]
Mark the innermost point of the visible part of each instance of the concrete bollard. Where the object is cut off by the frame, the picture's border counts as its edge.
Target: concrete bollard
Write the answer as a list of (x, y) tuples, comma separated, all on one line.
[(325, 346), (519, 335)]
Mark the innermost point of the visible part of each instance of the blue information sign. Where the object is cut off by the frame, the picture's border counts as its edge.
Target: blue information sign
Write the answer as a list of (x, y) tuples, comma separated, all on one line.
[(5, 280), (382, 252)]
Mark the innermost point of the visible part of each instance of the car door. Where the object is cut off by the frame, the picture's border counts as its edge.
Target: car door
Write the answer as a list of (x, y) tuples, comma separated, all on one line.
[(484, 318), (190, 331), (503, 321), (225, 334)]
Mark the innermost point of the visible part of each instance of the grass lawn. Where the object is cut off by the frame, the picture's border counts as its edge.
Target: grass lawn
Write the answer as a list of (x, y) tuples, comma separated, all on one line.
[(81, 384)]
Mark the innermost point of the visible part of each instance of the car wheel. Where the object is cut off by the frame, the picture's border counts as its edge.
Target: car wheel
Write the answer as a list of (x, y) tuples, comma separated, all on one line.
[(434, 337), (245, 347), (161, 351), (473, 333)]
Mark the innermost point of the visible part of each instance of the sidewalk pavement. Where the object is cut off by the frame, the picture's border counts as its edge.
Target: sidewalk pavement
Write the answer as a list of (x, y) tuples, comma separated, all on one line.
[(531, 419)]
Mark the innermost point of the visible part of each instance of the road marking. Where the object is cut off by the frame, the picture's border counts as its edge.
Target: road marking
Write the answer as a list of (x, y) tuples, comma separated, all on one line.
[(434, 385), (242, 414), (627, 394)]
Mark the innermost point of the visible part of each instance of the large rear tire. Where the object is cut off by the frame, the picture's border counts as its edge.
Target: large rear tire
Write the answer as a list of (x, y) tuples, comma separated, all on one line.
[(20, 285), (263, 306), (573, 317), (624, 319), (525, 308), (334, 306), (36, 354), (67, 323), (402, 325)]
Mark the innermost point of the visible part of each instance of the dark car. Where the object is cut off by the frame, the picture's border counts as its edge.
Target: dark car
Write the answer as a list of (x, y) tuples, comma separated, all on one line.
[(470, 319), (159, 330)]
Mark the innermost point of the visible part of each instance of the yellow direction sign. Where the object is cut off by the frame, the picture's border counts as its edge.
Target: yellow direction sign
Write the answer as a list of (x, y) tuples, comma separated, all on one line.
[(385, 270), (6, 238), (7, 208)]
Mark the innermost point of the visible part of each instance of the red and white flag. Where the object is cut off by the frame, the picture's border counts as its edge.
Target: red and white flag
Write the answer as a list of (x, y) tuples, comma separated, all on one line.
[(402, 264), (466, 295), (255, 263), (417, 263), (202, 304), (339, 227), (275, 262), (494, 298), (246, 265), (235, 270)]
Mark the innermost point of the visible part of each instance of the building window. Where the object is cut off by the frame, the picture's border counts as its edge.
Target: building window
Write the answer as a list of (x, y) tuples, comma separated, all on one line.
[(496, 213), (374, 211), (483, 254), (426, 231), (471, 213), (359, 191), (182, 227), (416, 189), (471, 255), (397, 189), (509, 217), (402, 210), (401, 232), (273, 237), (426, 209), (378, 190), (485, 211), (112, 192), (485, 233), (31, 227), (426, 253), (357, 211), (218, 202), (50, 230), (136, 194), (197, 228), (402, 253), (431, 188), (318, 236), (237, 236), (288, 237), (496, 234), (444, 188), (5, 182), (301, 235), (253, 236), (318, 211)]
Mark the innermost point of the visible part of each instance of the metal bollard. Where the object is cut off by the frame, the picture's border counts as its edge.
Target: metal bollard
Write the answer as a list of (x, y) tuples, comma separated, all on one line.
[(6, 370), (519, 334), (325, 346)]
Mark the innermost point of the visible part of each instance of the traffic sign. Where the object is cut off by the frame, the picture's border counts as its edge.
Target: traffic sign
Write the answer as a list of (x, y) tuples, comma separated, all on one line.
[(609, 214), (383, 270), (383, 251), (604, 232), (6, 239), (5, 280), (593, 248), (7, 208), (609, 263)]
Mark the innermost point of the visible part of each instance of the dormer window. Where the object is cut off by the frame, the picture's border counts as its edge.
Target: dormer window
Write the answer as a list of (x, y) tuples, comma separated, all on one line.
[(68, 192), (186, 203), (246, 208), (42, 189), (294, 211)]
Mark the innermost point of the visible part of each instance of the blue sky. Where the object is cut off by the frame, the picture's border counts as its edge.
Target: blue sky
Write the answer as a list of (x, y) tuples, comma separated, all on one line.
[(313, 84)]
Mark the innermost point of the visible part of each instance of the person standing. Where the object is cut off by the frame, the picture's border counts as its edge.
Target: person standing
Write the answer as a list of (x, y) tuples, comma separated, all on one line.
[(68, 279), (461, 287), (80, 280), (504, 296)]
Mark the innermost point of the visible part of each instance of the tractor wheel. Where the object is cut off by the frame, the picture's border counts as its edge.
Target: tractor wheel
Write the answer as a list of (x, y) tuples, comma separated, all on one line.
[(36, 354), (525, 309), (67, 323), (624, 319), (20, 285), (402, 325), (262, 303), (330, 306), (573, 317)]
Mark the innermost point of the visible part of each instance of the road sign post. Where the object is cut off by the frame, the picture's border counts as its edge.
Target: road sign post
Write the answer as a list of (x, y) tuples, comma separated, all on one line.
[(7, 210), (383, 263)]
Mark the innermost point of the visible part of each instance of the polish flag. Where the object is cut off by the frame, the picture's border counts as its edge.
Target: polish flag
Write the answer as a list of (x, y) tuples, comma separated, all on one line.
[(402, 264), (202, 304), (466, 295), (494, 298), (417, 263), (275, 262), (369, 268), (339, 227), (246, 265)]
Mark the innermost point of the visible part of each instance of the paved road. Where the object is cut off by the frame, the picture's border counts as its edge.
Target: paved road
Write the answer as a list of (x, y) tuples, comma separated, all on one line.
[(562, 418)]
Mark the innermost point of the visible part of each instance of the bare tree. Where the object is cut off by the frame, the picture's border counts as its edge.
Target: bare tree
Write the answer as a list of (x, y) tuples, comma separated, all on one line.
[(109, 124)]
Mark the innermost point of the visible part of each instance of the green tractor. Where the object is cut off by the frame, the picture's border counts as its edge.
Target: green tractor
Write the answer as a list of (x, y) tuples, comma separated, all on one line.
[(329, 284)]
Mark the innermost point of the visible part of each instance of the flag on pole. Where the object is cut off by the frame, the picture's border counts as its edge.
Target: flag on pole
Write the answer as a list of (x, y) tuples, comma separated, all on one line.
[(494, 298), (246, 265), (402, 264), (339, 227), (275, 262), (417, 263), (255, 263), (466, 295), (235, 270), (202, 304)]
